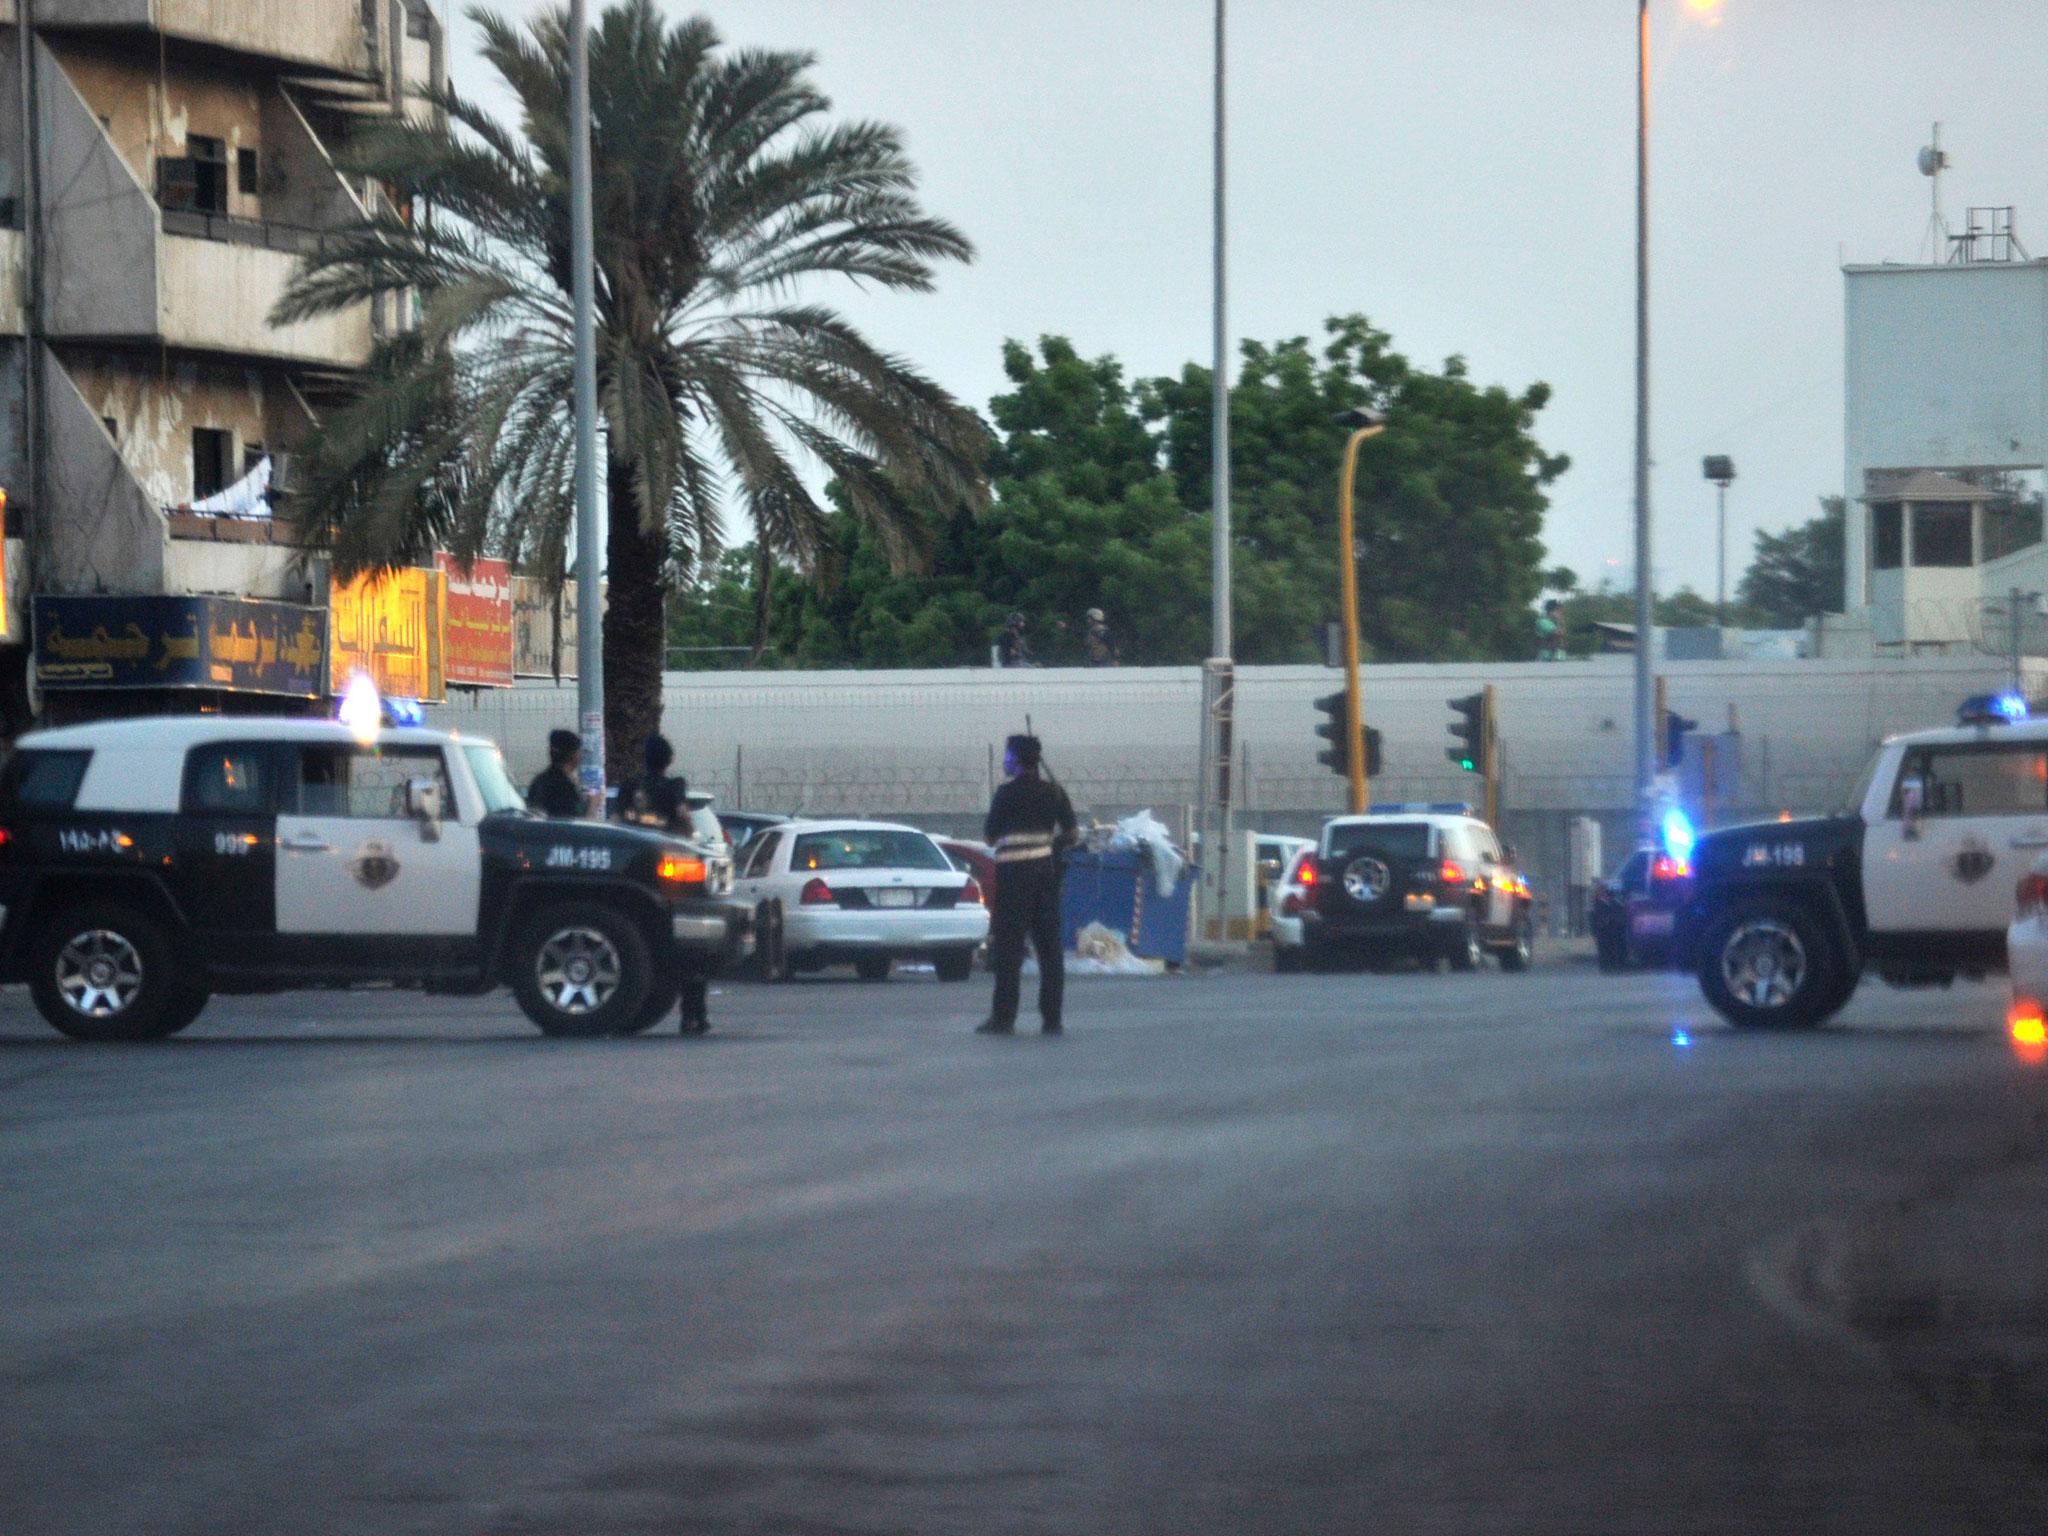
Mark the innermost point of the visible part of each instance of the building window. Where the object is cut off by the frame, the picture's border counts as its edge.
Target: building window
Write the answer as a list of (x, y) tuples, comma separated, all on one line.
[(1941, 536), (1887, 536), (209, 173), (246, 168), (212, 453)]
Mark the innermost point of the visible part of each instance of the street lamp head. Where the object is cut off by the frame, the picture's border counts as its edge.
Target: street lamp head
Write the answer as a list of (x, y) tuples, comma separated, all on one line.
[(1361, 416), (1719, 468)]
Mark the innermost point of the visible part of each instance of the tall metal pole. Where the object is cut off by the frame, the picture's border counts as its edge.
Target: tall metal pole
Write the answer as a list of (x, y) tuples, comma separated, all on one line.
[(1720, 554), (35, 543), (589, 546), (1218, 682), (1219, 407), (1347, 571), (1646, 773)]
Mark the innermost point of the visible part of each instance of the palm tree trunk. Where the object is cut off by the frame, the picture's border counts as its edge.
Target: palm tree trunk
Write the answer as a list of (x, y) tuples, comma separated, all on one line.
[(764, 598), (635, 633)]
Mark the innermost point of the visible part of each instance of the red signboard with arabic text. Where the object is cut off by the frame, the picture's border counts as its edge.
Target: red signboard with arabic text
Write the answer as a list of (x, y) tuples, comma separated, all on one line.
[(479, 645)]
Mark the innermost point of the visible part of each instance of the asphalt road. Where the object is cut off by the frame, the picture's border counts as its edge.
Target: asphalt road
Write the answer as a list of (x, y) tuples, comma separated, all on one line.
[(1241, 1253)]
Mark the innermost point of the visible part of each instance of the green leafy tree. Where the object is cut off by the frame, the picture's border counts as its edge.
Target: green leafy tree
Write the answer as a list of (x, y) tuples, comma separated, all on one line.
[(722, 194), (1449, 500), (1798, 573)]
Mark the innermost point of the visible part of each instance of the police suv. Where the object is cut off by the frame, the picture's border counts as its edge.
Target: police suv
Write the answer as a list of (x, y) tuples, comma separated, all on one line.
[(147, 864), (1915, 881)]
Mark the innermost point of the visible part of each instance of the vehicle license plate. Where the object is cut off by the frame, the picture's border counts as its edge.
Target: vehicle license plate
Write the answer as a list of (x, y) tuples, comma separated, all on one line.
[(1650, 923), (896, 898)]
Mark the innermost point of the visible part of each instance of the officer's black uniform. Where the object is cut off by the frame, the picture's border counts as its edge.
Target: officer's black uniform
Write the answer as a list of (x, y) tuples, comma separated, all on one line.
[(660, 799), (1030, 823), (554, 793)]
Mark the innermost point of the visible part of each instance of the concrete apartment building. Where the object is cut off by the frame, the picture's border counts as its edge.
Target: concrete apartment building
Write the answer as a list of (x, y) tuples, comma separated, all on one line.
[(186, 152)]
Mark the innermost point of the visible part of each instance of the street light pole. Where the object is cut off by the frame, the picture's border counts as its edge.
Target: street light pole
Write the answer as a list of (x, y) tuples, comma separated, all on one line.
[(589, 547), (1645, 777), (1218, 680), (1365, 424), (1720, 469)]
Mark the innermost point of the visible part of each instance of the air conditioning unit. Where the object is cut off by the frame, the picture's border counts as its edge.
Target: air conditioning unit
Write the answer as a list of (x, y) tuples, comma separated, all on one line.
[(281, 475)]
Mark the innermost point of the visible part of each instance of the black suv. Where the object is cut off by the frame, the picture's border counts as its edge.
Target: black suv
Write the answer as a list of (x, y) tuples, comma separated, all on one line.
[(148, 864), (1434, 885)]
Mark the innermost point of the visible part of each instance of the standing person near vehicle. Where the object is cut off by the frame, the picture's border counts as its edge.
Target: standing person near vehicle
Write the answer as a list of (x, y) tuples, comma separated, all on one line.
[(553, 791), (1550, 632), (1099, 645), (661, 800), (1030, 825), (1013, 650)]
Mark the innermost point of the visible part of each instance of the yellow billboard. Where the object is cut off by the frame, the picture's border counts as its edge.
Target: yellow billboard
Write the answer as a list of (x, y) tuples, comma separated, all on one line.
[(393, 627)]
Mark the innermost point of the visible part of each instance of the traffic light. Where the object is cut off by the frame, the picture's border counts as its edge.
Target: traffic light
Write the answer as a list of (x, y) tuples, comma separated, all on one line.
[(1468, 730), (1332, 730), (1334, 756)]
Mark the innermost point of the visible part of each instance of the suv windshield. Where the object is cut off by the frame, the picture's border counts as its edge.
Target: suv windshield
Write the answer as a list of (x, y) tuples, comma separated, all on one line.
[(487, 765), (1392, 839)]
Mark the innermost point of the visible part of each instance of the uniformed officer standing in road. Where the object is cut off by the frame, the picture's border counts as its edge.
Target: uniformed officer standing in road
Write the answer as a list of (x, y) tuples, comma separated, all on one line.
[(553, 791), (662, 800), (1030, 825)]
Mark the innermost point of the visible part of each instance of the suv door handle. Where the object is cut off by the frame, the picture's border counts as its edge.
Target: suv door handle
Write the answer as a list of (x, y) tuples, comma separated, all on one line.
[(306, 842)]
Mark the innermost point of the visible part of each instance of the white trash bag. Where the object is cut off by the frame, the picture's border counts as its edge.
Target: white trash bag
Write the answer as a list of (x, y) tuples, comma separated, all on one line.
[(1148, 835)]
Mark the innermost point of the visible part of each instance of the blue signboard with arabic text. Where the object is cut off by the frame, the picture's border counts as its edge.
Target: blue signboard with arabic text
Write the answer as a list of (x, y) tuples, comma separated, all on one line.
[(234, 644)]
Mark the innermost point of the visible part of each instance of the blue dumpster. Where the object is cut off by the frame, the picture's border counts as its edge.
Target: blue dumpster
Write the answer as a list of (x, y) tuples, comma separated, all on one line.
[(1116, 889)]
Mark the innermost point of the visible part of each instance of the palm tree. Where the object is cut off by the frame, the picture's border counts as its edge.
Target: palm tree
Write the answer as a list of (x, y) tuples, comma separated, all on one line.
[(721, 200)]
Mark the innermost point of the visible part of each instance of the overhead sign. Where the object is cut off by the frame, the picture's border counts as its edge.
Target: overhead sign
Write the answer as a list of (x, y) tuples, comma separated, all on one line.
[(393, 627), (479, 621), (234, 644)]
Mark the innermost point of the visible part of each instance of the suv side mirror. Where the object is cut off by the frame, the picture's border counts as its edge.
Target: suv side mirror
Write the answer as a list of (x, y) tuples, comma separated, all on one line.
[(1912, 805), (423, 804)]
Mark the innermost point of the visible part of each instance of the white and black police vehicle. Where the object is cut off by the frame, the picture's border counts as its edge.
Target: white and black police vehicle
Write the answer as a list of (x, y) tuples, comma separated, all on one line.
[(1914, 881), (148, 864)]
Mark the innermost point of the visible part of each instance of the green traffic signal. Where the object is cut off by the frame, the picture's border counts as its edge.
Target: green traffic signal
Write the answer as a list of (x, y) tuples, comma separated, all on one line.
[(1468, 730)]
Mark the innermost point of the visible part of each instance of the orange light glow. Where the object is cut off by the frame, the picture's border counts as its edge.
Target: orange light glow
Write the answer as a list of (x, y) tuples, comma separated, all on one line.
[(1706, 12), (2028, 1026), (684, 871), (1306, 876)]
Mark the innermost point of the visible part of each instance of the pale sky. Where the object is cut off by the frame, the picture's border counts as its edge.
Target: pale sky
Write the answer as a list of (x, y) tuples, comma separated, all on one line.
[(1463, 171)]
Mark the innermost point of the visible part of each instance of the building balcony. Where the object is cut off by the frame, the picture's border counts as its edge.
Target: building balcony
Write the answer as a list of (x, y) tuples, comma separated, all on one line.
[(319, 36), (219, 279)]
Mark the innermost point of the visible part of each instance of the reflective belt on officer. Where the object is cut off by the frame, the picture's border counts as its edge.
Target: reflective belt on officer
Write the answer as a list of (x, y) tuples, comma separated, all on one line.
[(1015, 847)]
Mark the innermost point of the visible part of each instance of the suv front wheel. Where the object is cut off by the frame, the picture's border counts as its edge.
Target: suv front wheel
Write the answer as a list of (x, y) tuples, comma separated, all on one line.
[(582, 969), (104, 972), (1769, 963)]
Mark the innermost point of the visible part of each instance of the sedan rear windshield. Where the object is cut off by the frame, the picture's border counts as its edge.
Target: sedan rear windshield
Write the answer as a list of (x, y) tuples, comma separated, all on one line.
[(860, 848), (1389, 839)]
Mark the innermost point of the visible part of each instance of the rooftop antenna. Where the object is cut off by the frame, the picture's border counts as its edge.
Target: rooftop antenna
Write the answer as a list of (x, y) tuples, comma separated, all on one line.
[(1933, 161)]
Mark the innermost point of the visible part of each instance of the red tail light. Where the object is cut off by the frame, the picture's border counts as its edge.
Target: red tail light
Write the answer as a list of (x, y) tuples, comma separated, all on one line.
[(2032, 894), (1668, 868), (6, 837), (970, 893), (1453, 873), (1306, 876), (817, 893), (1291, 907)]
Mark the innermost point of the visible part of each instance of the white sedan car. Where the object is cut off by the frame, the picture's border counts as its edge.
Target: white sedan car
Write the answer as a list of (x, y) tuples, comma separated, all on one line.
[(1289, 895), (865, 893), (2026, 955)]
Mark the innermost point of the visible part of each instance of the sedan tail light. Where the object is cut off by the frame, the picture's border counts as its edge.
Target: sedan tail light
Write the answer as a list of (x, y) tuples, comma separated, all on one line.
[(970, 894), (1306, 876), (2032, 895), (817, 893), (1452, 873)]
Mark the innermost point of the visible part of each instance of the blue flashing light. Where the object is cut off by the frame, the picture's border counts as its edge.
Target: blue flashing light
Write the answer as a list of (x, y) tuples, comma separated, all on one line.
[(1679, 836), (1423, 808), (1992, 709), (405, 711), (1680, 1038)]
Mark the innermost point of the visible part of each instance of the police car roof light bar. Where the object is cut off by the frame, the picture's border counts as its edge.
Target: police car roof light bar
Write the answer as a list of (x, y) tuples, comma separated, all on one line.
[(1992, 709), (1423, 808)]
